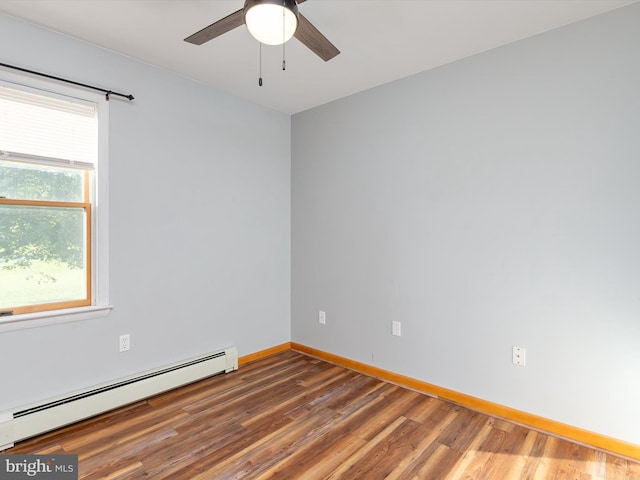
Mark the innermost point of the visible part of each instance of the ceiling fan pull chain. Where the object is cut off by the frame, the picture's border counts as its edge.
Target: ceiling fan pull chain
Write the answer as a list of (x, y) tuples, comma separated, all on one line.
[(284, 63), (260, 78)]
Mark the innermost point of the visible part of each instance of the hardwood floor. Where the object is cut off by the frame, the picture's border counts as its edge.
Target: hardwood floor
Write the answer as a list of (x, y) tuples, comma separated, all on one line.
[(290, 416)]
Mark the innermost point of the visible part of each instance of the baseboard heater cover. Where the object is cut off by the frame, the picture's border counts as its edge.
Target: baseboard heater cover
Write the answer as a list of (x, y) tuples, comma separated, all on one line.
[(35, 419)]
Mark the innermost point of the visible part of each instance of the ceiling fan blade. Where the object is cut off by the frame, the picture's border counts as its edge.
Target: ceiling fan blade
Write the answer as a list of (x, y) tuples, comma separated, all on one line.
[(311, 37), (218, 28)]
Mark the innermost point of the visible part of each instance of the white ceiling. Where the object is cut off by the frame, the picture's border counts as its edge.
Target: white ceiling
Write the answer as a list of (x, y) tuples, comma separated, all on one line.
[(380, 40)]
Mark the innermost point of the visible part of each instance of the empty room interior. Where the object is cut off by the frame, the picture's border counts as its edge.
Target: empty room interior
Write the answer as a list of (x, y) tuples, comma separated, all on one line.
[(404, 243)]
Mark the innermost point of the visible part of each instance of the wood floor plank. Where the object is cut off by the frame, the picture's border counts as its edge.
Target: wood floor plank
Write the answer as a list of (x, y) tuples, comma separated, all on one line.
[(333, 448), (289, 416), (266, 451), (533, 458), (181, 453), (393, 402), (349, 469), (473, 459), (440, 460), (427, 447), (462, 430), (389, 452), (511, 458), (114, 470)]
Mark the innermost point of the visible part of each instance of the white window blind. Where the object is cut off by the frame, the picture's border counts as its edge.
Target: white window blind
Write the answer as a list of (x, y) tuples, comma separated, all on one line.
[(47, 130)]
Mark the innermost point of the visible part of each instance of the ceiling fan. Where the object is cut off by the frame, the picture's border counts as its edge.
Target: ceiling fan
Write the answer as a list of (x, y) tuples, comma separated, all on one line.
[(281, 17)]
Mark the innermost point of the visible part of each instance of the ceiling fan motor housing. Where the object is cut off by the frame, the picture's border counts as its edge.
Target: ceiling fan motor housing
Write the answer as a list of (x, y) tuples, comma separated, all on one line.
[(290, 4), (257, 24)]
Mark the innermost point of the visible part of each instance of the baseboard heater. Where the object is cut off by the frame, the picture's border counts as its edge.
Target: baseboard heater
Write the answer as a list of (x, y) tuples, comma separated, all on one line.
[(35, 419)]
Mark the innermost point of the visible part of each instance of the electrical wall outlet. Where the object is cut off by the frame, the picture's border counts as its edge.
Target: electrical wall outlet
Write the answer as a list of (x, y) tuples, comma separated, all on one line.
[(125, 342), (519, 356), (396, 328), (322, 317)]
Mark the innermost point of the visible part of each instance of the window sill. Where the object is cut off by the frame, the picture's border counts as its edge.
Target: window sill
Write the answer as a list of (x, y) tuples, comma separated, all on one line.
[(53, 317)]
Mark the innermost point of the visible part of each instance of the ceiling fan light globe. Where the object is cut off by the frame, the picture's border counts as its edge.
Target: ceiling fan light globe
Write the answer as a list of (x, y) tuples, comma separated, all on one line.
[(265, 21)]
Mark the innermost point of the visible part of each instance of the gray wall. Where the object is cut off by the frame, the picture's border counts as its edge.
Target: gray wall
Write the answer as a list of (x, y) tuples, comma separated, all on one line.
[(488, 203), (199, 225)]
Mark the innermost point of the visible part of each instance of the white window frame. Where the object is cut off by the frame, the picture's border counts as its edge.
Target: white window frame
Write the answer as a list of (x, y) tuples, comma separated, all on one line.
[(99, 199)]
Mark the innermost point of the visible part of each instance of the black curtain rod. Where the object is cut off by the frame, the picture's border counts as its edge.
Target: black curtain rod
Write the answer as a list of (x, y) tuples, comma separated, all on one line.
[(107, 92)]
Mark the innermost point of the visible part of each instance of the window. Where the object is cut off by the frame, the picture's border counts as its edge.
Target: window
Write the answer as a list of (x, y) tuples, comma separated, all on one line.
[(50, 149)]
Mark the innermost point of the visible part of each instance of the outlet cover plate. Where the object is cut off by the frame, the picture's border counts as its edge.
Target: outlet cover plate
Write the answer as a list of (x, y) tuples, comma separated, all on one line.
[(396, 328), (125, 342), (519, 356)]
